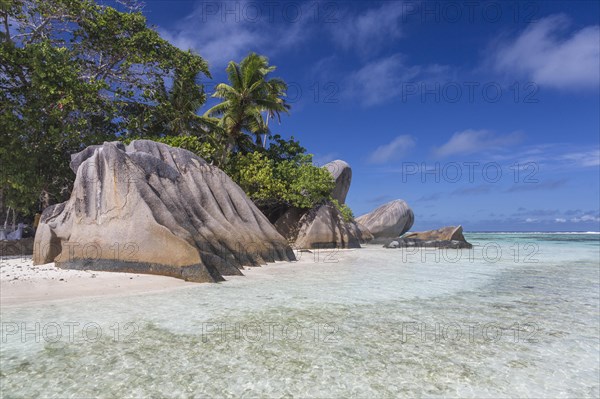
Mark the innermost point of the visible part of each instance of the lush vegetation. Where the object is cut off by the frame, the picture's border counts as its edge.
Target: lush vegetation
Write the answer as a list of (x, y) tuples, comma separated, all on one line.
[(75, 73)]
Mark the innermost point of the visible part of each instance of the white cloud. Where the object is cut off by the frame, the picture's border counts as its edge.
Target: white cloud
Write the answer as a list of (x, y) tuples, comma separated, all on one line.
[(586, 218), (368, 31), (385, 78), (584, 158), (229, 31), (560, 220), (548, 56), (470, 141), (392, 150), (380, 80), (530, 220), (322, 159)]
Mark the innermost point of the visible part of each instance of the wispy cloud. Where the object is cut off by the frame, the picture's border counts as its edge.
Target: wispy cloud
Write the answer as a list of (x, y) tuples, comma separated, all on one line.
[(392, 150), (586, 218), (322, 159), (471, 141), (584, 158), (370, 30), (459, 192), (539, 186), (380, 80), (547, 54), (222, 31), (386, 78)]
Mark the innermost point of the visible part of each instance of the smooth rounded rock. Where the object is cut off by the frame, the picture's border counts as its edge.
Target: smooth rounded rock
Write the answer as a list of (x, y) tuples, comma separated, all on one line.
[(342, 174), (389, 220)]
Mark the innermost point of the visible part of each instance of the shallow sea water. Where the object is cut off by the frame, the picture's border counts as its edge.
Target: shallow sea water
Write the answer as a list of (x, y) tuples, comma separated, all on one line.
[(517, 316)]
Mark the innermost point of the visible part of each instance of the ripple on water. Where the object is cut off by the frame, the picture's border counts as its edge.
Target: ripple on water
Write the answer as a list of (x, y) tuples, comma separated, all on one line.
[(368, 326)]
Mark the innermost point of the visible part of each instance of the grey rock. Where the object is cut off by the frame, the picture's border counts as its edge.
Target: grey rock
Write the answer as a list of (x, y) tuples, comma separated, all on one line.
[(319, 227), (151, 208), (450, 233), (416, 243), (389, 220), (360, 231), (342, 174)]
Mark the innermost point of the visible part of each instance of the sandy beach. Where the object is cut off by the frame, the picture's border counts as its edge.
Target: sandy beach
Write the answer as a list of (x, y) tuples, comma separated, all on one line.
[(23, 283)]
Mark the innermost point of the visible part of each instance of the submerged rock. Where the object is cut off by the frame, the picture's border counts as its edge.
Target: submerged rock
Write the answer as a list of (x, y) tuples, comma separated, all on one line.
[(151, 208), (342, 174), (389, 220)]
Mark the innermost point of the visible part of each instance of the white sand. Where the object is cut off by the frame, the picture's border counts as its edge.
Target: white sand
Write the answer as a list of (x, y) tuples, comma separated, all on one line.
[(21, 283)]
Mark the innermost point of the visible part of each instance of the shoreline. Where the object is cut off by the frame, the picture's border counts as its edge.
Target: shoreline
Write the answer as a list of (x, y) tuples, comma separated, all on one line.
[(23, 284)]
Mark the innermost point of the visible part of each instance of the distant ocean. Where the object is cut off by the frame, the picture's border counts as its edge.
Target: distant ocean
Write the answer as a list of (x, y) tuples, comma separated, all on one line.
[(516, 316)]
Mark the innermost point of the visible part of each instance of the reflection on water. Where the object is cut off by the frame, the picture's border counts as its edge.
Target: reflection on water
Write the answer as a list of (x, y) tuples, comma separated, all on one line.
[(493, 322)]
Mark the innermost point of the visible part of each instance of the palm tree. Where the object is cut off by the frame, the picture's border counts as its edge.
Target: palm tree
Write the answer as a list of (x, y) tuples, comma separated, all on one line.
[(249, 94)]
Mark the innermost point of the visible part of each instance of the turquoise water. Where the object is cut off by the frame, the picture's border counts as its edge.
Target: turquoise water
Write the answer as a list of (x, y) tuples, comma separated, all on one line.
[(516, 316)]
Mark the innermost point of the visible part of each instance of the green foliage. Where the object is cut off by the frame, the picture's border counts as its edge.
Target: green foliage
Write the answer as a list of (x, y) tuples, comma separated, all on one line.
[(75, 73), (344, 210), (269, 183), (250, 92)]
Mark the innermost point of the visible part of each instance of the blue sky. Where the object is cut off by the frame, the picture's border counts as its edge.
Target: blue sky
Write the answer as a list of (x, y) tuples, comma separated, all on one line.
[(485, 114)]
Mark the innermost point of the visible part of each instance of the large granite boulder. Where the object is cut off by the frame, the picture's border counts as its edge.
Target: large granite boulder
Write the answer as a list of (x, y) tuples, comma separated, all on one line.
[(389, 220), (448, 233), (417, 243), (342, 174), (324, 227), (320, 227), (151, 208), (360, 231)]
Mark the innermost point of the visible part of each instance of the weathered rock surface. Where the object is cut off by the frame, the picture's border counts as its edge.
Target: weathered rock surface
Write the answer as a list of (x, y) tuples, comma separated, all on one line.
[(151, 208), (324, 227), (342, 174), (449, 233), (389, 220), (416, 243), (360, 231), (319, 227)]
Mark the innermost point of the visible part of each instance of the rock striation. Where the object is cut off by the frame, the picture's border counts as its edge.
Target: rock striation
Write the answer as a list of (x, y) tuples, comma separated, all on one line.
[(389, 220), (342, 174), (448, 233), (416, 243), (151, 208), (320, 227)]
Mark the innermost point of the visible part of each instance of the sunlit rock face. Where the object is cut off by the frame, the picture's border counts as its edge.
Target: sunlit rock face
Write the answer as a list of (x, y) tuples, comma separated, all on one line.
[(324, 227), (389, 220), (448, 233), (342, 174), (152, 208)]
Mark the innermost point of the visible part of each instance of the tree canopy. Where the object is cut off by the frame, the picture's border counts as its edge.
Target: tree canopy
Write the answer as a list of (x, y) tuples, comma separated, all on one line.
[(75, 73)]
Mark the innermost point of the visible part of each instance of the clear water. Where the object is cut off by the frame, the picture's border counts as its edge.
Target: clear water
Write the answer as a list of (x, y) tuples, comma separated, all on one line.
[(517, 316)]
